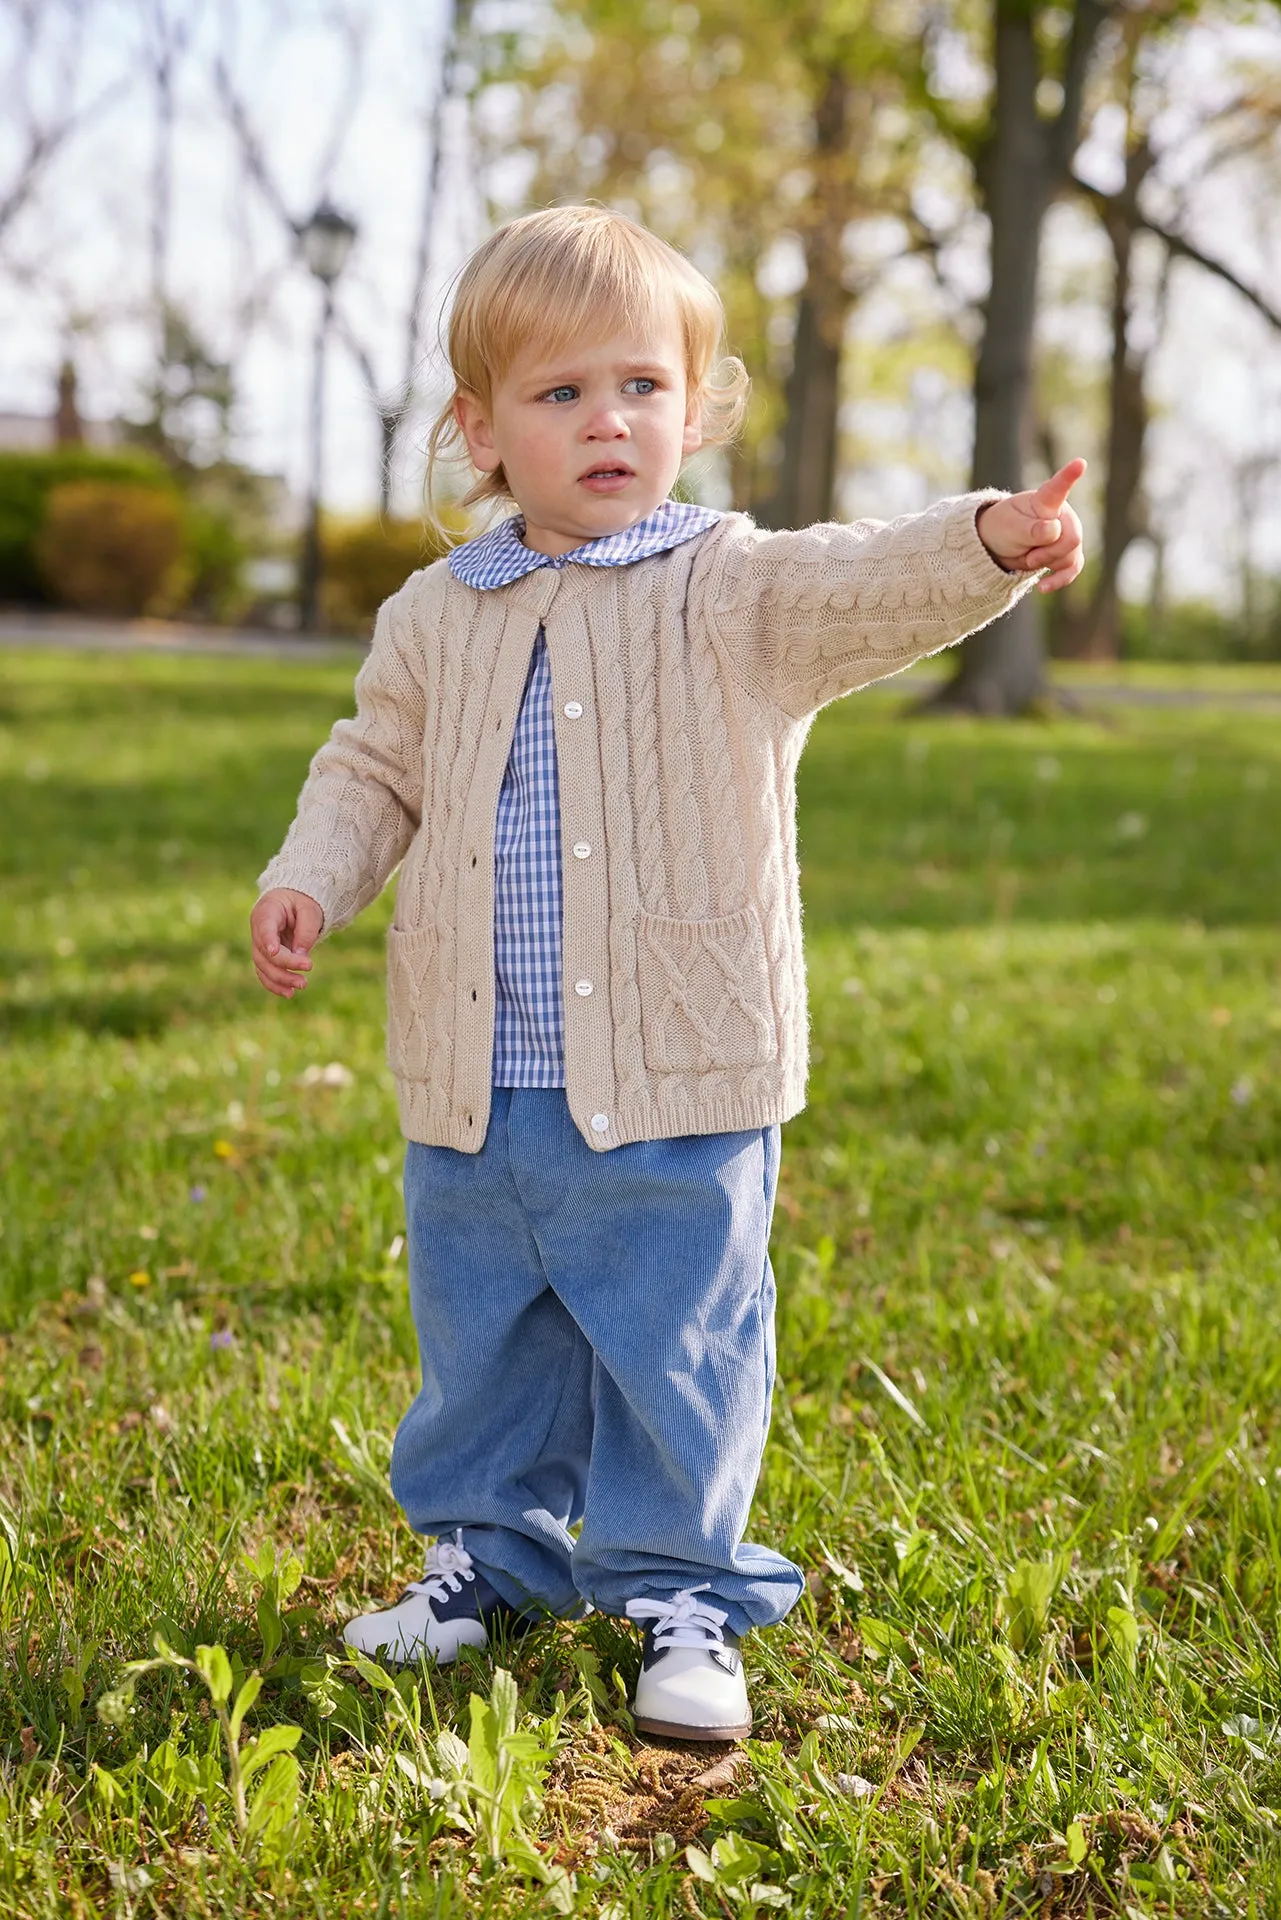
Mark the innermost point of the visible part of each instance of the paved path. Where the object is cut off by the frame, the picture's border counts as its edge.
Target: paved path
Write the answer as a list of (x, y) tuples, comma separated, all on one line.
[(167, 636), (172, 636)]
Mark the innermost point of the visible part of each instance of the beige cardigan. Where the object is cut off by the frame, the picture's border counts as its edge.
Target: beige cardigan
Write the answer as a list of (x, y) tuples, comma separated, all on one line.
[(684, 686)]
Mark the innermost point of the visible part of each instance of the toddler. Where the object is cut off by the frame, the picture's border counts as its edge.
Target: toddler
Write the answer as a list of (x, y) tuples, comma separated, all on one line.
[(576, 738)]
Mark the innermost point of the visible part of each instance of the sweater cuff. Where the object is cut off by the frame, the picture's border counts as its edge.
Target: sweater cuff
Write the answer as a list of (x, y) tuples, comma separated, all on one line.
[(300, 878)]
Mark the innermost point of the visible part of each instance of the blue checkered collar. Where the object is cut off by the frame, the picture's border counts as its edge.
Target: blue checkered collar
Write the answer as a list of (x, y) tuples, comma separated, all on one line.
[(501, 556)]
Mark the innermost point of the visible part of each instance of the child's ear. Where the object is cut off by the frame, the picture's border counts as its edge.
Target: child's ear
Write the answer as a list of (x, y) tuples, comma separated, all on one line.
[(477, 430)]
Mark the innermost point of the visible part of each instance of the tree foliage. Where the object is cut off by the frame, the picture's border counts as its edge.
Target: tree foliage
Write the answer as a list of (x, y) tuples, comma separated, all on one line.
[(751, 136)]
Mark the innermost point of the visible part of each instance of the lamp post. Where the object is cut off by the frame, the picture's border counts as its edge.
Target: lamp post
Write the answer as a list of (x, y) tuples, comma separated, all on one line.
[(325, 241)]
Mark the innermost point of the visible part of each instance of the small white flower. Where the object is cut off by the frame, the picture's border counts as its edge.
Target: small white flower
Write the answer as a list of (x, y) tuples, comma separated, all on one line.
[(128, 1879), (332, 1075)]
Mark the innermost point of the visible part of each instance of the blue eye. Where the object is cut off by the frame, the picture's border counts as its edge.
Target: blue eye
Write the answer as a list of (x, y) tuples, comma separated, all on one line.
[(559, 394), (642, 384)]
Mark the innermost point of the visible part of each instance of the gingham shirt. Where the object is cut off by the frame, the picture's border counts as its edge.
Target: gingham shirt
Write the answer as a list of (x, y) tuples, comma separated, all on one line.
[(529, 1027)]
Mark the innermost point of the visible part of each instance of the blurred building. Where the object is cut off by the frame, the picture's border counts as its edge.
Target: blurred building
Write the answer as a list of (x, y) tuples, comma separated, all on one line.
[(63, 425)]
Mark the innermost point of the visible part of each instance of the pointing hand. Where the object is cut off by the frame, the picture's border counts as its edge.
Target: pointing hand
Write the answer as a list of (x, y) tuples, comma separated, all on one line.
[(1028, 531)]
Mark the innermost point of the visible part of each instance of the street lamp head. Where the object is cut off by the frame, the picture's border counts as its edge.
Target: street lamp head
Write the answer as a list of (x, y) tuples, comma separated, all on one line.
[(326, 240)]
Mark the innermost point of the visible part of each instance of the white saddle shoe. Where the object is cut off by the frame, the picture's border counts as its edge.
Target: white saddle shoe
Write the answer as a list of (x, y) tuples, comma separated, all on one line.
[(450, 1607), (691, 1684)]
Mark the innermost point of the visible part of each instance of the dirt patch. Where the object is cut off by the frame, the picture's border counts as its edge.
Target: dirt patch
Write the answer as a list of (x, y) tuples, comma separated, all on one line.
[(598, 1796)]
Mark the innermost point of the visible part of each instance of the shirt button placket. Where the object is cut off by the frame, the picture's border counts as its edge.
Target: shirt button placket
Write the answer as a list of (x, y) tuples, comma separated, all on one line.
[(582, 850)]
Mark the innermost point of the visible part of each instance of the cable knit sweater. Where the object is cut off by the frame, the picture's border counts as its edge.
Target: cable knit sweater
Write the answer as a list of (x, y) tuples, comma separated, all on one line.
[(684, 687)]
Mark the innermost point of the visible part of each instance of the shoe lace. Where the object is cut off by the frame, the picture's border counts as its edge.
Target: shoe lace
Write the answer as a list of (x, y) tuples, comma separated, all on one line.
[(681, 1621), (447, 1565)]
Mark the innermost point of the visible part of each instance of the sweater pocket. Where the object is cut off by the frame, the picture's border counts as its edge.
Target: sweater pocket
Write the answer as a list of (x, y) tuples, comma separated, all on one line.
[(705, 993), (410, 954)]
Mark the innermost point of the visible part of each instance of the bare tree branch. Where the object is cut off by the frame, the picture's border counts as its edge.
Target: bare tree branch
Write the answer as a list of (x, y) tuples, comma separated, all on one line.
[(1184, 249), (353, 32), (1088, 17), (46, 134), (364, 361), (446, 91), (391, 402), (251, 152), (168, 27)]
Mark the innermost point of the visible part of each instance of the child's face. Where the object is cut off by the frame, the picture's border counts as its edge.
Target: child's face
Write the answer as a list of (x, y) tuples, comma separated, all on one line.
[(590, 438)]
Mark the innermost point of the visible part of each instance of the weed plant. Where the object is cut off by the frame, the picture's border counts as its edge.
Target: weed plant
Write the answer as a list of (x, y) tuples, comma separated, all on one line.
[(1025, 1437)]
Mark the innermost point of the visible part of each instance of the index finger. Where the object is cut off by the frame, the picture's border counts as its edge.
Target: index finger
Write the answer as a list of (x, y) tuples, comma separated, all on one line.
[(1053, 492)]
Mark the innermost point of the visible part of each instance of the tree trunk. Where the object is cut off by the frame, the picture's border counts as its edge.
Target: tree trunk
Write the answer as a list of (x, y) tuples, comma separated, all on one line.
[(1025, 161), (812, 399), (1127, 431), (1127, 419), (807, 472)]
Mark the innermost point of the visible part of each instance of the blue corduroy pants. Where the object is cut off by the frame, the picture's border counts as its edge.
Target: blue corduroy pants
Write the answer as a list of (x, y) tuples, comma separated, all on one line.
[(597, 1344)]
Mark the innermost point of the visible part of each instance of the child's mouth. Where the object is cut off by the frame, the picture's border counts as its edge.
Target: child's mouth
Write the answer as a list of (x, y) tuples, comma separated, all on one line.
[(606, 479)]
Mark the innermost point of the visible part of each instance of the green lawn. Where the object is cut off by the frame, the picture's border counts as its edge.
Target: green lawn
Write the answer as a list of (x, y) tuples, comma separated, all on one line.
[(1026, 1434)]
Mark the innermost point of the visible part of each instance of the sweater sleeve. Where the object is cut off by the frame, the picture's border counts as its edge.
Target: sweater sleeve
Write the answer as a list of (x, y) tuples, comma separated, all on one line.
[(805, 617), (362, 801)]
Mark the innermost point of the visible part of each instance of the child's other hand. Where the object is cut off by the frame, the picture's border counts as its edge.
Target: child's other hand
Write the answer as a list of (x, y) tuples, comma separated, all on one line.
[(285, 927), (1028, 531)]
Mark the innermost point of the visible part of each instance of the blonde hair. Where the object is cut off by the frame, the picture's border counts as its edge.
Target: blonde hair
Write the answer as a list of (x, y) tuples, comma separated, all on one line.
[(556, 276)]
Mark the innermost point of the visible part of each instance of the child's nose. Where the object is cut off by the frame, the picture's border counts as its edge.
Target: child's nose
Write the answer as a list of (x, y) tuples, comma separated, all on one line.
[(607, 423)]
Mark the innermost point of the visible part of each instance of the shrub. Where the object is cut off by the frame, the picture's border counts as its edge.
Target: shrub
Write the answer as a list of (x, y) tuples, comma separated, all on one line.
[(216, 554), (107, 548), (366, 560), (1193, 630), (234, 516), (26, 481)]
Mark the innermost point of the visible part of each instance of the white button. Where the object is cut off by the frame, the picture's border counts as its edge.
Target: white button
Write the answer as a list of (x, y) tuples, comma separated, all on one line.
[(583, 987), (573, 709), (581, 850), (600, 1123)]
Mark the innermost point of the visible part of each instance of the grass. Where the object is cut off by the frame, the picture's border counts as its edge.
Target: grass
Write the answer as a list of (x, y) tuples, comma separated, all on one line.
[(1026, 1433)]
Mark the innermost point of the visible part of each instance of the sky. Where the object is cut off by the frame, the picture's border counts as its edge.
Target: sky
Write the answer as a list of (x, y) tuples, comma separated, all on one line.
[(74, 266)]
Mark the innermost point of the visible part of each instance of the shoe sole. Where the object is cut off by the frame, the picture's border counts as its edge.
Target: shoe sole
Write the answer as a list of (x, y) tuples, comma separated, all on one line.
[(672, 1730), (392, 1654)]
